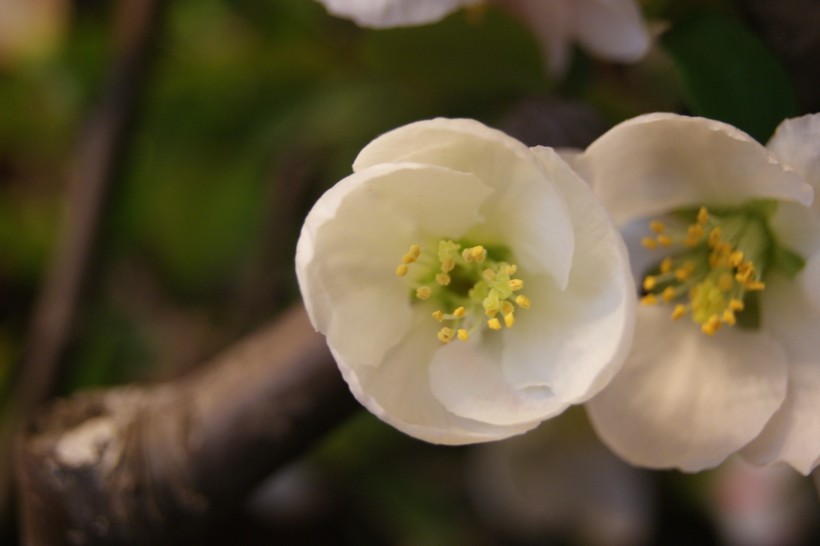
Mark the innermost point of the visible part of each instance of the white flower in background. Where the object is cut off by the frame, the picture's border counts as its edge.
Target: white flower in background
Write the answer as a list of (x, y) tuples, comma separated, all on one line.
[(726, 353), (608, 29), (469, 287)]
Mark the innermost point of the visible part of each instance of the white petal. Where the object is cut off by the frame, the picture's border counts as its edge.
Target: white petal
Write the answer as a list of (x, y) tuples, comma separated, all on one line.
[(687, 400), (525, 213), (394, 13), (611, 29), (796, 142), (398, 392), (659, 162), (793, 435), (355, 236), (552, 24), (467, 379), (575, 340)]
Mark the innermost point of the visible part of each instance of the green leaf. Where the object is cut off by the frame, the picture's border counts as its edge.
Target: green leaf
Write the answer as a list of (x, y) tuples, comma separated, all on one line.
[(730, 75)]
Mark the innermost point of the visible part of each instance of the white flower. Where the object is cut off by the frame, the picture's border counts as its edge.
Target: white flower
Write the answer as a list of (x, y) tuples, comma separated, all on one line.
[(609, 29), (731, 252), (469, 287)]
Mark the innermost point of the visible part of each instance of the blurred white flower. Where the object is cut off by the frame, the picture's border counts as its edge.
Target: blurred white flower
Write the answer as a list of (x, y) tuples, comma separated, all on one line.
[(608, 29), (469, 287), (727, 342)]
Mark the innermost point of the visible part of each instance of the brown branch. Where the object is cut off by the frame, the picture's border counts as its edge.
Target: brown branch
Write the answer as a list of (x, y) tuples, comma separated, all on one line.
[(97, 157), (160, 464)]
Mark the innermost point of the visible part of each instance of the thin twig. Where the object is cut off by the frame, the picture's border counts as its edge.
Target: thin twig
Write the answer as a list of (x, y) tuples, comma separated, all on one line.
[(96, 161)]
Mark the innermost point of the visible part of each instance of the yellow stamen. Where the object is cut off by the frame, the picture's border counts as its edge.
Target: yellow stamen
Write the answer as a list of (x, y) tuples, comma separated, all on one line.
[(424, 292), (438, 315), (445, 335), (443, 279), (649, 243), (494, 324), (649, 282), (649, 299), (668, 294), (509, 320), (703, 216), (711, 325), (463, 334), (666, 265), (401, 270), (458, 312), (664, 240), (523, 301), (516, 284), (657, 226), (679, 311)]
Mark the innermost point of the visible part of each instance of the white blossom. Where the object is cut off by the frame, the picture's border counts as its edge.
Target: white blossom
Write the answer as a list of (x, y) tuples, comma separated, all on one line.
[(726, 354), (608, 29), (469, 287)]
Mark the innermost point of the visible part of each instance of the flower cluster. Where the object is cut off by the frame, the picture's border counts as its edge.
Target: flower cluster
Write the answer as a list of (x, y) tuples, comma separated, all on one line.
[(468, 286)]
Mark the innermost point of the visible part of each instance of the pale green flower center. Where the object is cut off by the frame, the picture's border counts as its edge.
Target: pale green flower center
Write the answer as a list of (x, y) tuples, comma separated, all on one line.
[(471, 287), (716, 264)]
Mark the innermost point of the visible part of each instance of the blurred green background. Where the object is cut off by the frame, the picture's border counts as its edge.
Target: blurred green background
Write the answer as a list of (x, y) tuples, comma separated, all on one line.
[(252, 109)]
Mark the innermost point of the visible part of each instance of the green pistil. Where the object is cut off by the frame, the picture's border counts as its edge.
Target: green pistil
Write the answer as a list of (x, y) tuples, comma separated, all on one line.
[(477, 287)]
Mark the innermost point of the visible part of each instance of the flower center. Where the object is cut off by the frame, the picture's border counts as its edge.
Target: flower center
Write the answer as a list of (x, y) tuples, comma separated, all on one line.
[(716, 262), (471, 287)]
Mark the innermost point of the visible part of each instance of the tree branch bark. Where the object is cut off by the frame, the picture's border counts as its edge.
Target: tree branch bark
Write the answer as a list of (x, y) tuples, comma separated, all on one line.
[(162, 463)]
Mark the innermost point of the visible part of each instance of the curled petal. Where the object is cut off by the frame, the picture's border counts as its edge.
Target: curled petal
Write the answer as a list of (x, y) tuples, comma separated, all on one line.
[(687, 400), (793, 434), (399, 392), (355, 235), (574, 340), (796, 142), (531, 218), (655, 163), (394, 13)]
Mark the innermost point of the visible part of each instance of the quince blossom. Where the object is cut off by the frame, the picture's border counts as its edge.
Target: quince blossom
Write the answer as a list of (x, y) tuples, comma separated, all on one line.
[(726, 354), (609, 29), (469, 287)]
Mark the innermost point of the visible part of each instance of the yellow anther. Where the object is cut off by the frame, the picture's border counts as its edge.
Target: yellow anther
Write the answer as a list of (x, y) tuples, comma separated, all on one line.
[(668, 294), (408, 259), (415, 250), (657, 226), (506, 307), (649, 299), (463, 334), (488, 275), (725, 282), (475, 254), (649, 282), (703, 216), (438, 315), (683, 273), (516, 284), (711, 325), (445, 335), (458, 312), (729, 317), (666, 265), (448, 265), (754, 286), (664, 240), (649, 243), (443, 279), (736, 258), (736, 304), (509, 320), (714, 236), (401, 270), (523, 301), (494, 324), (509, 269), (679, 311), (424, 292)]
